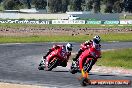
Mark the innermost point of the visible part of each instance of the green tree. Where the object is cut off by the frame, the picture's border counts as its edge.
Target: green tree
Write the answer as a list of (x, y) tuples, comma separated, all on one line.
[(1, 1), (128, 5), (109, 6), (40, 4), (89, 5), (12, 4), (96, 6), (117, 7), (64, 5), (29, 4), (72, 5), (58, 5), (75, 5), (55, 6)]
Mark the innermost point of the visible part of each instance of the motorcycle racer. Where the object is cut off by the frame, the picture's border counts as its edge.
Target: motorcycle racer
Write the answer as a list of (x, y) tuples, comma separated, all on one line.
[(66, 49), (95, 41)]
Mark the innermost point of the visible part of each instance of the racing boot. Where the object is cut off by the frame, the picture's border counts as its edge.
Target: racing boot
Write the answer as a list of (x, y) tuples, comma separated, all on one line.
[(77, 55), (42, 63), (74, 64)]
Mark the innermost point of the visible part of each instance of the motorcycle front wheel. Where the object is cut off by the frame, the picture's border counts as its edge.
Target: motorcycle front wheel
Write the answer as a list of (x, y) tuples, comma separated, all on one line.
[(87, 66), (52, 64)]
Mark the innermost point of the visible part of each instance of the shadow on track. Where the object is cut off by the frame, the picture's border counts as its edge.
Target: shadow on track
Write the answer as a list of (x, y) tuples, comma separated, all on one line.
[(60, 71)]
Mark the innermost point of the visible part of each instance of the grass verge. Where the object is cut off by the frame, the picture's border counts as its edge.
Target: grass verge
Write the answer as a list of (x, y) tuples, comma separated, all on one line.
[(117, 58), (31, 39), (65, 26), (59, 38)]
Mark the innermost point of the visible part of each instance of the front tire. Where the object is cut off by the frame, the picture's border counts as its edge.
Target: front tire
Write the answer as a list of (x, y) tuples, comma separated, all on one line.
[(87, 66), (84, 81), (52, 65)]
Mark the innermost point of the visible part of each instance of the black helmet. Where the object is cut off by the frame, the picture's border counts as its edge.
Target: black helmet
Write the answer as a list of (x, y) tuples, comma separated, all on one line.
[(96, 39)]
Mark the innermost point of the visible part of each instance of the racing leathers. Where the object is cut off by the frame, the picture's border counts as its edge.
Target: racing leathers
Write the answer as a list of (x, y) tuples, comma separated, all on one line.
[(85, 46), (63, 51)]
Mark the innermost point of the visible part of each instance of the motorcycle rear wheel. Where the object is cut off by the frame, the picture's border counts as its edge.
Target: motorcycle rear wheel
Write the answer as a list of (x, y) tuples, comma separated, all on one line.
[(41, 68), (73, 70)]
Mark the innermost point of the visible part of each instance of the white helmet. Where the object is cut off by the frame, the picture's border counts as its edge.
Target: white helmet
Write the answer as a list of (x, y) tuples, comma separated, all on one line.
[(96, 39), (69, 47)]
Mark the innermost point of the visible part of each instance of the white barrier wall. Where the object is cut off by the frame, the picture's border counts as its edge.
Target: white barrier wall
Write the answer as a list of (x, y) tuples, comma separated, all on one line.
[(9, 15), (57, 16), (31, 16)]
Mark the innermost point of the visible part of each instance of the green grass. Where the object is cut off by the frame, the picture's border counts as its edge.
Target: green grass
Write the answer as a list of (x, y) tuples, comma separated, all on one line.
[(63, 26), (129, 17), (117, 37), (42, 39), (61, 38), (117, 58)]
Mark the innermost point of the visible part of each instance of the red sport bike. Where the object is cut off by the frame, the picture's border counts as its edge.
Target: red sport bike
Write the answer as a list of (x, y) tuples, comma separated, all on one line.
[(86, 60), (54, 59)]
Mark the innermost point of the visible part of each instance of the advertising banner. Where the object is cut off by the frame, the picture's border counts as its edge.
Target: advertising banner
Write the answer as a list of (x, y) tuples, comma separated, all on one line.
[(93, 22), (25, 21), (126, 22), (68, 21), (111, 22)]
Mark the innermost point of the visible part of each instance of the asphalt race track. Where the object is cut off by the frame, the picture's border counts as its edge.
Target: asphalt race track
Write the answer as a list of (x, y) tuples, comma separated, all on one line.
[(19, 62)]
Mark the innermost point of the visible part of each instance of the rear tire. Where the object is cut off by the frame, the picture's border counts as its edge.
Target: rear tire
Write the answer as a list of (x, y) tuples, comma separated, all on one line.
[(41, 68), (73, 71)]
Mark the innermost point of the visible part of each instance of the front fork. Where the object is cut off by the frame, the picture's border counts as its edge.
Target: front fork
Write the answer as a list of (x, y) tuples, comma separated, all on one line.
[(84, 73)]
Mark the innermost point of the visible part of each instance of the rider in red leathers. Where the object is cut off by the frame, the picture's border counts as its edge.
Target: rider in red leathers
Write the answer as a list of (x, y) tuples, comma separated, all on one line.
[(66, 49), (86, 45)]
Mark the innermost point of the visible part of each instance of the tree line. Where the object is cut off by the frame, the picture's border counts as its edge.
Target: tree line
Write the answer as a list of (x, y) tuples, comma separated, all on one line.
[(55, 6)]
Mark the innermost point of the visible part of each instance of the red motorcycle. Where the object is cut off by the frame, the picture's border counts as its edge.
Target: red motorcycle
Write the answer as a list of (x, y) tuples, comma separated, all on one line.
[(86, 60), (54, 59)]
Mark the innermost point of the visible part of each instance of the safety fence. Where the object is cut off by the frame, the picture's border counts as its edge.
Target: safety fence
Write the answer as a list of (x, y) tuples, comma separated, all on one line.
[(33, 21)]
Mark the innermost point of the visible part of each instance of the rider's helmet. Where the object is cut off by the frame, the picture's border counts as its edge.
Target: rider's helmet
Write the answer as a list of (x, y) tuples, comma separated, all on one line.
[(69, 47), (96, 39)]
